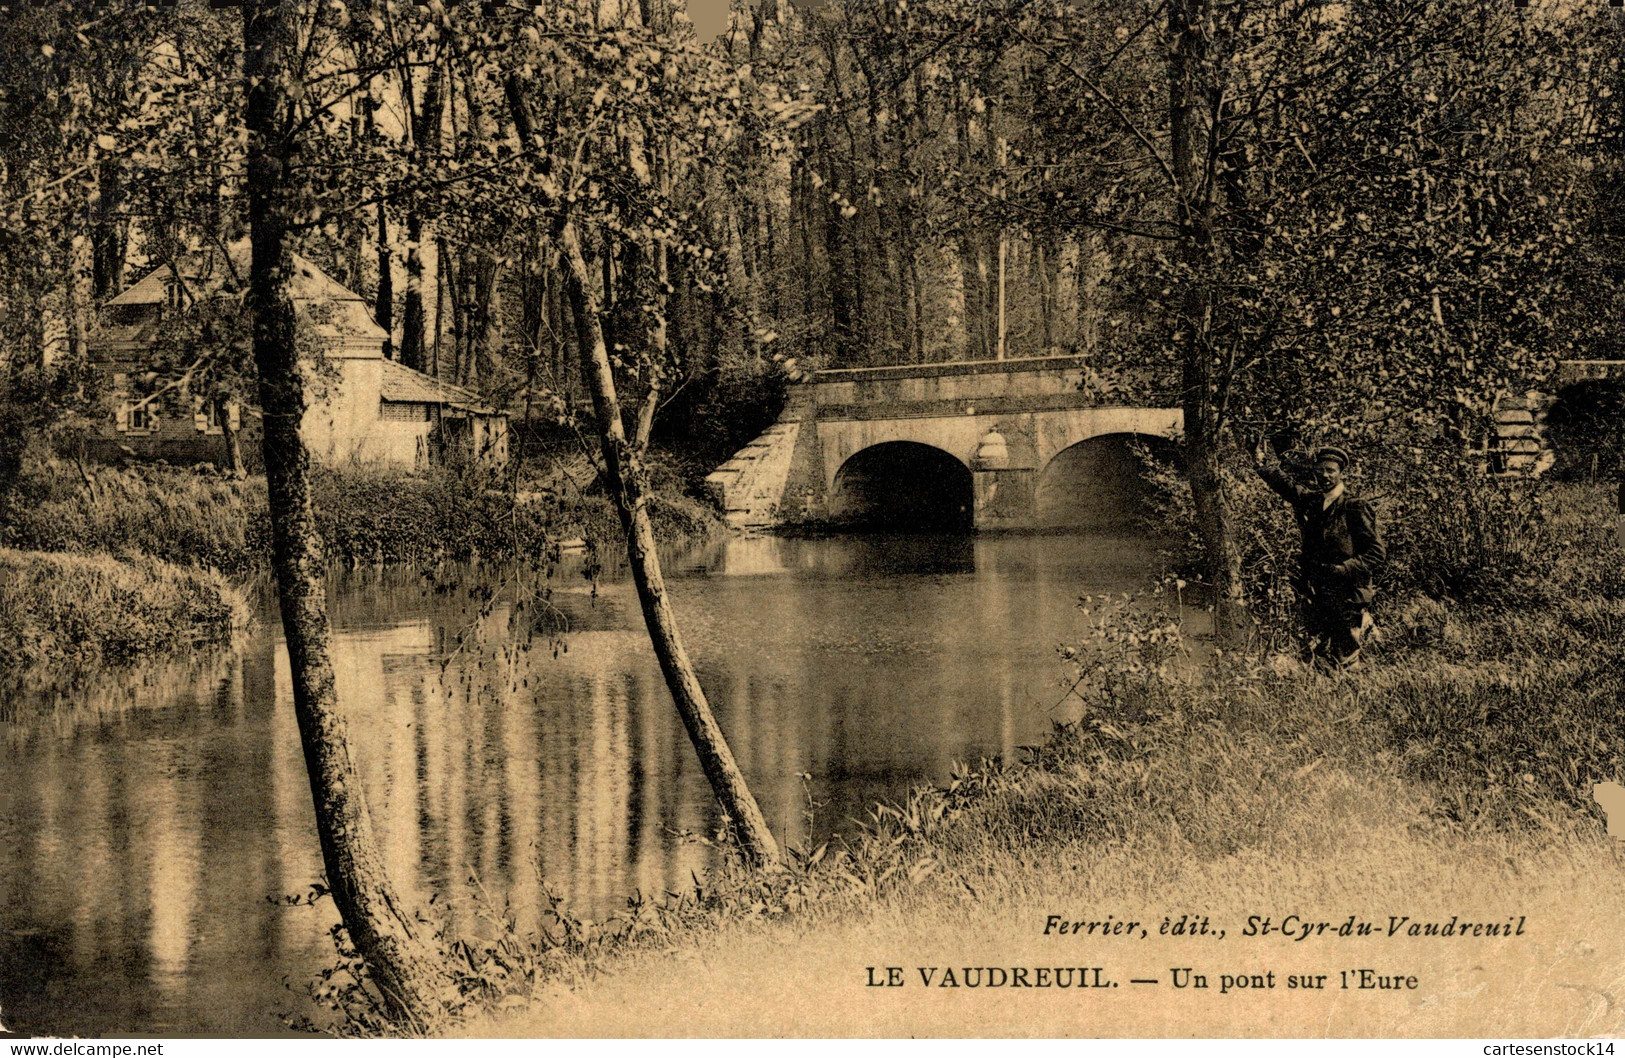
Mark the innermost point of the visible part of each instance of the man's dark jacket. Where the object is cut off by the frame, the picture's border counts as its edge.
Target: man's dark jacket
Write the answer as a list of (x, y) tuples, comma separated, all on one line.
[(1342, 552)]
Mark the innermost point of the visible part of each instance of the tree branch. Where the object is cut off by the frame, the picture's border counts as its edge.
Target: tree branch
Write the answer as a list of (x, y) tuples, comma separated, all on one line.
[(1111, 104)]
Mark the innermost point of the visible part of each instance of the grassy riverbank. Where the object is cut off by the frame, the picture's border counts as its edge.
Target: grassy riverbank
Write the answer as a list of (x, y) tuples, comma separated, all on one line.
[(58, 608), (1417, 788), (172, 528), (200, 517), (1450, 776)]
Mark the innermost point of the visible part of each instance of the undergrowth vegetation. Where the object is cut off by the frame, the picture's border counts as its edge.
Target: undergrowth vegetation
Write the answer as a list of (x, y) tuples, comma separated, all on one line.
[(56, 608), (197, 516)]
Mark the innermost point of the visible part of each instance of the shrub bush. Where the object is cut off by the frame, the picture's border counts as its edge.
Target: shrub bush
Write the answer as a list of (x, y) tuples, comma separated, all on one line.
[(1456, 532), (1452, 531)]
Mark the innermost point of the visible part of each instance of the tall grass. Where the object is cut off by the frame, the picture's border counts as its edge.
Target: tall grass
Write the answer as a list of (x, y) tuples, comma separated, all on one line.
[(366, 515), (200, 518), (57, 607)]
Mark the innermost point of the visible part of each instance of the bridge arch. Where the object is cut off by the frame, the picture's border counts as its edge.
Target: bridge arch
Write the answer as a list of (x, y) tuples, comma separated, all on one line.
[(1581, 426), (903, 485), (1099, 482)]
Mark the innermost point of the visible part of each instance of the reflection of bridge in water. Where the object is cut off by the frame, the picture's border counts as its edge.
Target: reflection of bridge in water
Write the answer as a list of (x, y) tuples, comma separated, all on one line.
[(992, 444)]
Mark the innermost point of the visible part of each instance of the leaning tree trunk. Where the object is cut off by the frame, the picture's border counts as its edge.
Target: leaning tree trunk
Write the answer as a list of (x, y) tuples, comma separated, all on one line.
[(626, 482), (385, 934), (626, 485)]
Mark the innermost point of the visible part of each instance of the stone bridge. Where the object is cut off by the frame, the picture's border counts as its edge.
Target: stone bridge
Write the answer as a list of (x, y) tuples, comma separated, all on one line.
[(992, 444)]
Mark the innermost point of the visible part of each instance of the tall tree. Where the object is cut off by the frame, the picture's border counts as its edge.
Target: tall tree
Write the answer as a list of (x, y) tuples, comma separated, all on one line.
[(424, 117), (1349, 219), (390, 939), (639, 79), (1192, 94)]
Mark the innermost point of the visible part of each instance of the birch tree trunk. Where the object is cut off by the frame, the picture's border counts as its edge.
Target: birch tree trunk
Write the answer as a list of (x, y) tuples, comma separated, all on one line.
[(626, 483), (626, 478)]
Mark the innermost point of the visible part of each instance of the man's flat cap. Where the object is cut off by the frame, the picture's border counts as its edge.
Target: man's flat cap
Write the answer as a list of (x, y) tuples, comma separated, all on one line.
[(1332, 453)]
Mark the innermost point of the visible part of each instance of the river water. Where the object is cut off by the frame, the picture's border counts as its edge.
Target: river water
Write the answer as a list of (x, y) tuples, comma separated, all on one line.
[(510, 728)]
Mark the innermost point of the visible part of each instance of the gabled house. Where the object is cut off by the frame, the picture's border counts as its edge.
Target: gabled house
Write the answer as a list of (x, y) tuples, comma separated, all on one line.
[(364, 407)]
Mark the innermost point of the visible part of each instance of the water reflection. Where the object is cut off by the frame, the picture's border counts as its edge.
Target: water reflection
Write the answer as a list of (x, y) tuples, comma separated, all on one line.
[(149, 830)]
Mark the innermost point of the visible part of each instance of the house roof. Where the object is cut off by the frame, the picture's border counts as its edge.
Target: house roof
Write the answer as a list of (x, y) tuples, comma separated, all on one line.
[(402, 385), (332, 311)]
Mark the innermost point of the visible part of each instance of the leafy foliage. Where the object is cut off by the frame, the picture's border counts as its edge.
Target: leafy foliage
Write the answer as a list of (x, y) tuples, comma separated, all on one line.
[(42, 407)]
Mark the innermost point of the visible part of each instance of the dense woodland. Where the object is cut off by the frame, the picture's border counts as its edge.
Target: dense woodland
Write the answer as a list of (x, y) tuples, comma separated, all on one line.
[(1356, 222), (1313, 219)]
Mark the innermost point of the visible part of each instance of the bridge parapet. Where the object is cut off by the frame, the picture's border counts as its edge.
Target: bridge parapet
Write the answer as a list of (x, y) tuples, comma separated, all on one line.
[(966, 386), (1036, 406), (980, 369)]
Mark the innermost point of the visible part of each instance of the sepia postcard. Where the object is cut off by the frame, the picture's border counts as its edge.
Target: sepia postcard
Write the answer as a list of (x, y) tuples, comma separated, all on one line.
[(833, 519)]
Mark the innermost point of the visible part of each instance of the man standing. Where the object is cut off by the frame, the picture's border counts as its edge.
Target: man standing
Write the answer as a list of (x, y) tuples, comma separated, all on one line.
[(1342, 555)]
